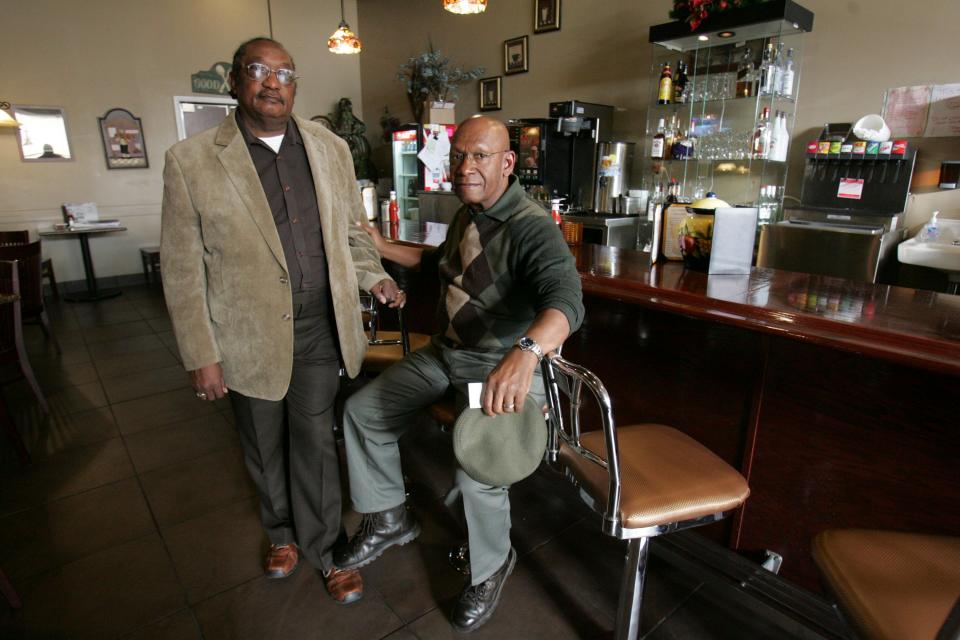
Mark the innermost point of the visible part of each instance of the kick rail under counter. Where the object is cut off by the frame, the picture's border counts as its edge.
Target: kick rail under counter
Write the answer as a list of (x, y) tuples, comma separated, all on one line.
[(835, 398)]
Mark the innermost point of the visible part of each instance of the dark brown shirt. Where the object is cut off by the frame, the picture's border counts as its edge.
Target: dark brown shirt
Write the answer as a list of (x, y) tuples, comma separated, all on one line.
[(288, 185)]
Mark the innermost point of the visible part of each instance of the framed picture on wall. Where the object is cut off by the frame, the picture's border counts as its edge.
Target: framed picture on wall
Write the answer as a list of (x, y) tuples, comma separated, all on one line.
[(490, 94), (195, 114), (122, 136), (546, 15), (43, 133), (515, 55)]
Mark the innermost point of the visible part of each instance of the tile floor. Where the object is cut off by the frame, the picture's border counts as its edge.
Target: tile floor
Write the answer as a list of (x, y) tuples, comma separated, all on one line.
[(137, 520)]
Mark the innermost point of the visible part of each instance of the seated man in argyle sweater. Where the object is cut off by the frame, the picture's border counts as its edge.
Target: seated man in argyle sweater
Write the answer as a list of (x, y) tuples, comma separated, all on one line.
[(510, 292)]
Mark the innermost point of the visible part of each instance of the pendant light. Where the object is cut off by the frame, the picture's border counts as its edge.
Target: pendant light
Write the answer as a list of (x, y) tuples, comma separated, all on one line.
[(344, 40), (465, 6), (6, 120)]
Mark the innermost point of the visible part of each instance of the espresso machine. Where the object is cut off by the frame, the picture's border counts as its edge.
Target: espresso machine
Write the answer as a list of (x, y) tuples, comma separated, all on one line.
[(556, 158), (848, 222)]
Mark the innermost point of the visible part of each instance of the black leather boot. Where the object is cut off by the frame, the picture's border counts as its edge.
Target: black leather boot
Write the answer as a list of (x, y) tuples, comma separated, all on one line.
[(378, 532), (478, 602)]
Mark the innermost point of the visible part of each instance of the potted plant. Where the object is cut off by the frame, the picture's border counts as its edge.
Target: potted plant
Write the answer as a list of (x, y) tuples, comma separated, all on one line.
[(430, 77)]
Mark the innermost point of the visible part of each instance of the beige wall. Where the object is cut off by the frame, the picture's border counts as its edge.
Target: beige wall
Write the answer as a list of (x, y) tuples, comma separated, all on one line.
[(90, 56), (858, 49)]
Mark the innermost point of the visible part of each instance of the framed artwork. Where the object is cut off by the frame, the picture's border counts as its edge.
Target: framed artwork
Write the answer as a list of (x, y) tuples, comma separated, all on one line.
[(43, 133), (490, 93), (195, 114), (515, 55), (546, 15), (122, 136)]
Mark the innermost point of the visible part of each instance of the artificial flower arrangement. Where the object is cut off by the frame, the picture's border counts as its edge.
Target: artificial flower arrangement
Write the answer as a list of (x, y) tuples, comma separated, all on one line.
[(696, 11)]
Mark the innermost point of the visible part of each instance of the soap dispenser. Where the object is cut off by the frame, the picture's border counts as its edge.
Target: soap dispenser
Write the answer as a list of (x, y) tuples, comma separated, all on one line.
[(930, 231)]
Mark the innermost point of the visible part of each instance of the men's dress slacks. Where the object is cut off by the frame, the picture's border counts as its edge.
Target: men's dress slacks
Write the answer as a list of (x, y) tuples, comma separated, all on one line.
[(289, 447), (381, 412)]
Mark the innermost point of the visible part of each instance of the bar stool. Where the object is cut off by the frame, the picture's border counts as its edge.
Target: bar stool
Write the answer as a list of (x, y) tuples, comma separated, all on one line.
[(893, 585), (150, 257), (386, 347), (644, 480)]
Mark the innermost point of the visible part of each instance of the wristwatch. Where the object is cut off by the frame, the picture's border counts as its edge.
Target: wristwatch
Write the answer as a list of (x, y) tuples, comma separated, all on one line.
[(527, 343)]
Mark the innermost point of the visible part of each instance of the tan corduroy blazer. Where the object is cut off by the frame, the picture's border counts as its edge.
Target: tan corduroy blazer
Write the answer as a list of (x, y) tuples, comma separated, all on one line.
[(224, 274)]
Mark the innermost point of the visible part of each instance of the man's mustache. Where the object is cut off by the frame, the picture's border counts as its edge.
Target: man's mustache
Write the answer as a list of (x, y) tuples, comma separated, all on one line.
[(271, 96)]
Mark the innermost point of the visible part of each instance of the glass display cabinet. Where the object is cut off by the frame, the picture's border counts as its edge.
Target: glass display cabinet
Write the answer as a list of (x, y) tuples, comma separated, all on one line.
[(723, 100)]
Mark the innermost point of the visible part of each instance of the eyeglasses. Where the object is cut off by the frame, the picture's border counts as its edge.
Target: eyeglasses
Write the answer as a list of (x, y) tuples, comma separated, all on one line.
[(479, 157), (260, 72)]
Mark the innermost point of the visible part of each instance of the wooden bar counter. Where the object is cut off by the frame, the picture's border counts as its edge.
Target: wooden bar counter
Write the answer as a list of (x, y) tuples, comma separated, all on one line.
[(836, 399)]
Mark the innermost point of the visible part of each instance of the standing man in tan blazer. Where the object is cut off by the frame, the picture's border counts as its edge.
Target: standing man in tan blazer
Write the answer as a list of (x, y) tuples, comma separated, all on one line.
[(262, 260)]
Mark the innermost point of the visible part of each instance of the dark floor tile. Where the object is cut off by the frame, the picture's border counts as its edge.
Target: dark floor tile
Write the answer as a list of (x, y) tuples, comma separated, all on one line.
[(57, 433), (180, 626), (45, 353), (170, 341), (160, 323), (541, 506), (100, 596), (55, 375), (65, 474), (178, 442), (721, 612), (134, 344), (219, 550), (34, 339), (128, 363), (139, 293), (186, 490), (110, 332), (83, 397), (102, 316), (145, 383), (59, 532), (162, 408), (401, 634), (151, 308), (297, 607)]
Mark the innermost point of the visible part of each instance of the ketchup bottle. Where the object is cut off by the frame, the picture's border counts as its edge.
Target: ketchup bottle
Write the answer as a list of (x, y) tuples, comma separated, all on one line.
[(394, 208)]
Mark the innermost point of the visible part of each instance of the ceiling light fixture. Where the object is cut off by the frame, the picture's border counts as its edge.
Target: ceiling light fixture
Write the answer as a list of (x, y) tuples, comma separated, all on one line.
[(726, 34), (465, 6), (343, 40), (703, 38), (6, 120)]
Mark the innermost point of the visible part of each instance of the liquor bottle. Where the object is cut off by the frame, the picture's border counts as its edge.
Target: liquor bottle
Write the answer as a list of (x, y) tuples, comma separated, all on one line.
[(673, 132), (783, 138), (680, 82), (762, 136), (766, 71), (778, 64), (659, 142), (745, 75), (655, 222), (786, 78), (665, 93)]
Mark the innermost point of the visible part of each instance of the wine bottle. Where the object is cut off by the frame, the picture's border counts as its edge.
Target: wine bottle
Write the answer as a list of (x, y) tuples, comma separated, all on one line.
[(665, 93)]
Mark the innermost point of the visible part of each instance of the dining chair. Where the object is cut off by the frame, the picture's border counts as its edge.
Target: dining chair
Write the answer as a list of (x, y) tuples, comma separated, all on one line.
[(32, 305), (46, 266)]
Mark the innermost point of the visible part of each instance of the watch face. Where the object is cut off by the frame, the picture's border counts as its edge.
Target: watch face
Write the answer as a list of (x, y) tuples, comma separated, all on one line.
[(526, 343)]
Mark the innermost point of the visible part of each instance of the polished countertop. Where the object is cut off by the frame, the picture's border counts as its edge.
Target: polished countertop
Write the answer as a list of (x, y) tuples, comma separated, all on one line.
[(914, 327)]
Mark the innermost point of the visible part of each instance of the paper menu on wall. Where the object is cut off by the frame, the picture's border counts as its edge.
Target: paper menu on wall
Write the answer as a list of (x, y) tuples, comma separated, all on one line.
[(80, 212), (905, 110), (944, 115)]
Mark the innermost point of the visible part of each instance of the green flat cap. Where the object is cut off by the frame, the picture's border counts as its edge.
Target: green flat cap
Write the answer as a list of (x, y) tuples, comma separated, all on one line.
[(503, 449)]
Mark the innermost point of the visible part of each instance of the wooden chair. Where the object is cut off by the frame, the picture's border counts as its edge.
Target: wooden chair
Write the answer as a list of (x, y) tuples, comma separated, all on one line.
[(893, 585), (31, 286), (46, 266), (386, 347), (644, 480), (150, 257)]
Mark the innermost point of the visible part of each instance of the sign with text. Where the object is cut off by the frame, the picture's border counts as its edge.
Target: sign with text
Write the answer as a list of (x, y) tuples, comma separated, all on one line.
[(214, 80)]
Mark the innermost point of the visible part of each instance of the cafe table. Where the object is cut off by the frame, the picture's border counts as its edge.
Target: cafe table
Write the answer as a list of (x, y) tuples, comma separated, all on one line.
[(93, 293)]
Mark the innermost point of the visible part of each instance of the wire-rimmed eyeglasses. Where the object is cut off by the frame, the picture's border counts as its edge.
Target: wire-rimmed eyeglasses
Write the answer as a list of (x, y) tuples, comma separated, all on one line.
[(260, 72), (479, 157)]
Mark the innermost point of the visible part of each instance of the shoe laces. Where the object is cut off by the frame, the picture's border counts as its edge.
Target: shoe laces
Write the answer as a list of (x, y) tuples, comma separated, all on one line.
[(368, 526), (476, 593)]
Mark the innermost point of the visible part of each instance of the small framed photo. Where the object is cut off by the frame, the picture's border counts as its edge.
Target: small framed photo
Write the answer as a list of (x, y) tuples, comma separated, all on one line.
[(490, 94), (43, 133), (546, 15), (515, 55), (123, 144)]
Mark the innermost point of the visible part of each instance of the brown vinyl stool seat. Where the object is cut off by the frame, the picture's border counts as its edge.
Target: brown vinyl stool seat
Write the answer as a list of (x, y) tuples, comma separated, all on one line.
[(644, 479), (893, 585)]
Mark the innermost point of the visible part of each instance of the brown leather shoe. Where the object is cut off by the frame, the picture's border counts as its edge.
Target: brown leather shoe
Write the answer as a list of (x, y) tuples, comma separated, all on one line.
[(344, 586), (282, 560)]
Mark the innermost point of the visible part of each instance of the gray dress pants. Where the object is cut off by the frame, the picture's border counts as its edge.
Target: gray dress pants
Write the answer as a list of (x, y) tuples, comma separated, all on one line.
[(381, 412), (289, 447)]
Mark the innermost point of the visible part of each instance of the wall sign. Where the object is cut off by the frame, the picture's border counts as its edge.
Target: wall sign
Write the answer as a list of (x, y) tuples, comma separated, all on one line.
[(214, 80)]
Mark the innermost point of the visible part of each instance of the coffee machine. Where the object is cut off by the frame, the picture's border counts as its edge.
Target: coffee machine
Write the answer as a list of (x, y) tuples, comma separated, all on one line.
[(556, 158)]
